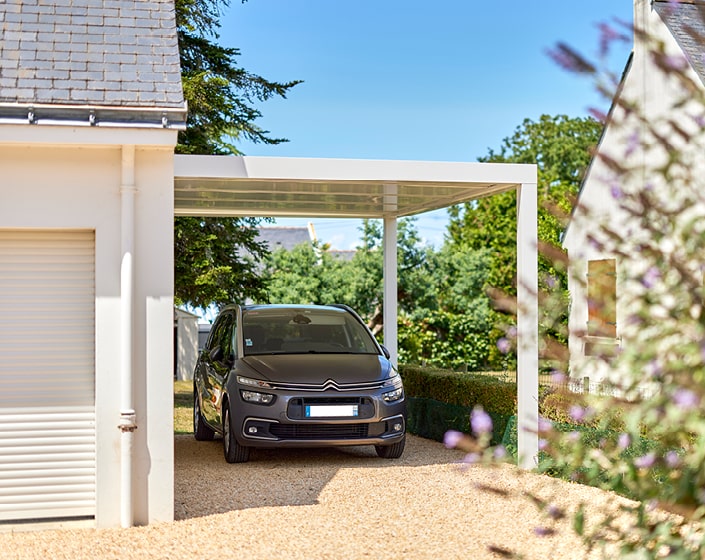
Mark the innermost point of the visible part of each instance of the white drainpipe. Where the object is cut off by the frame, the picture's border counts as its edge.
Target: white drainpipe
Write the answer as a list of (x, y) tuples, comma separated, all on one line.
[(127, 412)]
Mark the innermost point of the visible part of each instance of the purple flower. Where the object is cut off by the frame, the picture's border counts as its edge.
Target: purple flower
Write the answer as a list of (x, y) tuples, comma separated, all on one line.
[(504, 345), (577, 412), (543, 531), (545, 425), (554, 512), (632, 143), (558, 377), (472, 458), (499, 452), (543, 444), (675, 62), (653, 369), (597, 114), (645, 461), (650, 277), (672, 459), (573, 437), (512, 332), (616, 191), (607, 35), (686, 399), (480, 421), (624, 441), (452, 438)]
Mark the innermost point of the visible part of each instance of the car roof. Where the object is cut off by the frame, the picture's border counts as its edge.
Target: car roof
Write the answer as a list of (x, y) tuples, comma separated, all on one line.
[(333, 307)]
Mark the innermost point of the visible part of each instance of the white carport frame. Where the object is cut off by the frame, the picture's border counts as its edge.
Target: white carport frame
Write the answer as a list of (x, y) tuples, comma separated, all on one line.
[(387, 190)]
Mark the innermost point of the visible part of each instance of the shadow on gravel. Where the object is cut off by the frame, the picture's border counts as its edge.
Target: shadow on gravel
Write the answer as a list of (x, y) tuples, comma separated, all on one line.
[(205, 484)]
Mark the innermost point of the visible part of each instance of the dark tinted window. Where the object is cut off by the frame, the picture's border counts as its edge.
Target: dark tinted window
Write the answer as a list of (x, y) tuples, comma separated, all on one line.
[(302, 330)]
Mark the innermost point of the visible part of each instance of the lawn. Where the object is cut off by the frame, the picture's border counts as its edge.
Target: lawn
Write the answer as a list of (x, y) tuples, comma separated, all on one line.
[(183, 407)]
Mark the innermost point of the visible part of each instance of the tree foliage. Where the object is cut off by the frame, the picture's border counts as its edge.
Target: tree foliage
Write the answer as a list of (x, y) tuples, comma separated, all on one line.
[(221, 97), (561, 148), (217, 261)]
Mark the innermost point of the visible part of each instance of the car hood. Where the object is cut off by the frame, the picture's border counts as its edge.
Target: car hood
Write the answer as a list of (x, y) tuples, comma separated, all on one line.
[(318, 368)]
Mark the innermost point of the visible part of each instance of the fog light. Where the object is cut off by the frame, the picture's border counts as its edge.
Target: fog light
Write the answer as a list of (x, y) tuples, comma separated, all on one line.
[(397, 427), (252, 430)]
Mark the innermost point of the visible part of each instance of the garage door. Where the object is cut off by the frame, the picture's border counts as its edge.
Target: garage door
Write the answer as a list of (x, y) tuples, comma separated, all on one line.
[(47, 374)]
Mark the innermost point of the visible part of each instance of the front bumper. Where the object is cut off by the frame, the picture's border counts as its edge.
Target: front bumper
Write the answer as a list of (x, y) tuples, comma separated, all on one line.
[(286, 422)]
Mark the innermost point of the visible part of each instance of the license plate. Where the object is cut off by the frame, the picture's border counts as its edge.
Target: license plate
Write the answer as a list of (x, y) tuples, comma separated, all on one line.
[(333, 410)]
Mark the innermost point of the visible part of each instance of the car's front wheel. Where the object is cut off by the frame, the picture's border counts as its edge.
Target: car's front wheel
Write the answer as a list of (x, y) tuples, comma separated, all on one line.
[(201, 431), (233, 451), (393, 451)]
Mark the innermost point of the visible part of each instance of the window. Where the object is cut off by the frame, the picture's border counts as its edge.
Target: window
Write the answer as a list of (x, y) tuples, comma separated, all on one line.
[(602, 298)]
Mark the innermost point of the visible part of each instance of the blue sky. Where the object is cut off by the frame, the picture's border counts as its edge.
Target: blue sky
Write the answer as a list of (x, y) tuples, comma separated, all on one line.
[(411, 79)]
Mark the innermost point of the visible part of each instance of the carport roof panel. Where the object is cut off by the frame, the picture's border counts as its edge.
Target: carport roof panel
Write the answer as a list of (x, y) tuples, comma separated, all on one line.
[(344, 188)]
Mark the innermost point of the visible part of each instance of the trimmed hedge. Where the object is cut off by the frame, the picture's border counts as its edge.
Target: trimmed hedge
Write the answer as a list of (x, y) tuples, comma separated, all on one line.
[(441, 400)]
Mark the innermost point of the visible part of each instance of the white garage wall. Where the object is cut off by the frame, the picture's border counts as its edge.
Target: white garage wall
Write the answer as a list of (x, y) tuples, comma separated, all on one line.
[(45, 186)]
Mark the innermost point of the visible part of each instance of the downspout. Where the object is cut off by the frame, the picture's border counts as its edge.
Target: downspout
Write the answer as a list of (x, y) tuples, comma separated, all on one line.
[(127, 424)]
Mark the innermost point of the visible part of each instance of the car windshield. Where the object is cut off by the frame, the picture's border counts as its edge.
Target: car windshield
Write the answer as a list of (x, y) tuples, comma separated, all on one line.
[(281, 330)]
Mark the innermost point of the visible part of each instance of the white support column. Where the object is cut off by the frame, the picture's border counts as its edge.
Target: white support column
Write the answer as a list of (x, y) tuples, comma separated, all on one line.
[(389, 244), (127, 424), (527, 326)]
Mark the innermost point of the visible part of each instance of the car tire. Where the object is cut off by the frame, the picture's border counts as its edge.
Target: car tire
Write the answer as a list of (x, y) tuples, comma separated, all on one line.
[(393, 451), (201, 431), (233, 451)]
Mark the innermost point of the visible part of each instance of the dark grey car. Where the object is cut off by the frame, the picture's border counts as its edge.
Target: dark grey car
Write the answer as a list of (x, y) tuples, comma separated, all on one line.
[(296, 376)]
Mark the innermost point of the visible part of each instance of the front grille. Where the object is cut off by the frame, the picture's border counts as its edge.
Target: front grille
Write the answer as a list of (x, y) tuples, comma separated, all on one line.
[(328, 385), (319, 431), (297, 406)]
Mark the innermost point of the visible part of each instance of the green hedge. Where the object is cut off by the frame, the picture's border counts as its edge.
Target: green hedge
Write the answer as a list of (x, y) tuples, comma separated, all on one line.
[(441, 400)]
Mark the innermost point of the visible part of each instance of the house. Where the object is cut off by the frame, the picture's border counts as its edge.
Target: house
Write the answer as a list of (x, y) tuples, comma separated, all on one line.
[(668, 36), (90, 106), (287, 238)]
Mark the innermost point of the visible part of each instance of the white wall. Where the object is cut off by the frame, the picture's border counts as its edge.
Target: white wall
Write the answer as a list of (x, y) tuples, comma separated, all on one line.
[(650, 89), (62, 177)]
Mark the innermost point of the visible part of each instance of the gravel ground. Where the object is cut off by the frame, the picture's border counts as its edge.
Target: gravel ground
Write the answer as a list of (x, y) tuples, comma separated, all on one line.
[(342, 503)]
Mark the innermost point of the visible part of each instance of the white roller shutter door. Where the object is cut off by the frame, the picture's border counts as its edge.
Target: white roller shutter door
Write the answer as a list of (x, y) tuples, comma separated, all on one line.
[(47, 374)]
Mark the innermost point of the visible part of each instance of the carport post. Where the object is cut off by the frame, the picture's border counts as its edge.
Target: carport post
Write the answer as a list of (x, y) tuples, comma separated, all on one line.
[(389, 308), (527, 326)]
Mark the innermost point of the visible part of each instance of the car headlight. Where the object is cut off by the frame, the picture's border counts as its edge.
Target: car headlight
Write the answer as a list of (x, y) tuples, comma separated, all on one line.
[(257, 398), (392, 396), (253, 382), (394, 382)]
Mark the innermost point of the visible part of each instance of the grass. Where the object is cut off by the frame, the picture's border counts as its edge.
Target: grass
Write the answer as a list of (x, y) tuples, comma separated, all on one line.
[(183, 407)]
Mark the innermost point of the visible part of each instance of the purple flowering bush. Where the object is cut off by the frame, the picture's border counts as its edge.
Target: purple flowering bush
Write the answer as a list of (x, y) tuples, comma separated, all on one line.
[(644, 436), (655, 374)]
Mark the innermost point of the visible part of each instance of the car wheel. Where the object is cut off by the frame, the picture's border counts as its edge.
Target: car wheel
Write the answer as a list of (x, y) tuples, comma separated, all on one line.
[(393, 451), (233, 451), (201, 431)]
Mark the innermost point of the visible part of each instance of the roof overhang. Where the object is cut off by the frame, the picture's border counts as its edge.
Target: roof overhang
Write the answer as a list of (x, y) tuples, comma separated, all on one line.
[(335, 188)]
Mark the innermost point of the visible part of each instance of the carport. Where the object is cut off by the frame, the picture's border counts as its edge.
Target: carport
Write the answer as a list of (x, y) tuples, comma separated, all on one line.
[(387, 190)]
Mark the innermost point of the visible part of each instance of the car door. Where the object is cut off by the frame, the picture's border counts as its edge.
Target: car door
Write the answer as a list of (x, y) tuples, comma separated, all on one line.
[(217, 361)]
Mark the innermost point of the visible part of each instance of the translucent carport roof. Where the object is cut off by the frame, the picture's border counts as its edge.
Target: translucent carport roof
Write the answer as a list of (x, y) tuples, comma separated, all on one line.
[(333, 188), (346, 188)]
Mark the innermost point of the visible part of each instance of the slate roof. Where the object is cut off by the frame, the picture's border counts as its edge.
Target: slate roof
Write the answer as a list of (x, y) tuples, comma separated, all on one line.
[(283, 237), (685, 20), (119, 58)]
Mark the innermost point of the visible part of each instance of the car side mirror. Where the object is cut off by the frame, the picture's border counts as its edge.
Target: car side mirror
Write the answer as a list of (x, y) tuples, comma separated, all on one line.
[(216, 355), (385, 351)]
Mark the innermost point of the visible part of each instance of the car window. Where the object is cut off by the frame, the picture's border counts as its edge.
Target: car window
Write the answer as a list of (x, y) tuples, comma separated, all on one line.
[(292, 330), (222, 335)]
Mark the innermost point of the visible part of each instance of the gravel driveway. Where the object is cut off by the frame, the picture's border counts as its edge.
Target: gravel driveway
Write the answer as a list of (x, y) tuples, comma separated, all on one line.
[(334, 504)]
